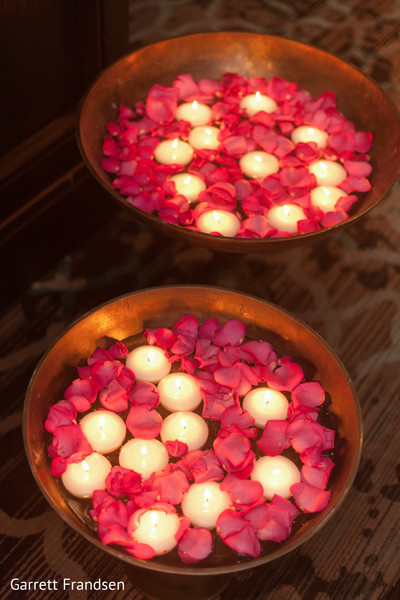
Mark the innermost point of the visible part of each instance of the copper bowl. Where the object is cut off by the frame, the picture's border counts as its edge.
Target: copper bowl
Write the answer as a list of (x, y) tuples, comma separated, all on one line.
[(253, 55), (130, 315)]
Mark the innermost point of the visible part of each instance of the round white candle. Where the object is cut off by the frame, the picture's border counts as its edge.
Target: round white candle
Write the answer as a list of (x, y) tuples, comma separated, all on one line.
[(253, 103), (264, 404), (179, 391), (104, 430), (148, 363), (143, 456), (307, 133), (83, 478), (219, 221), (185, 427), (327, 172), (173, 152), (204, 137), (194, 112), (157, 529), (259, 164), (188, 185), (204, 502), (285, 217), (326, 196), (276, 474)]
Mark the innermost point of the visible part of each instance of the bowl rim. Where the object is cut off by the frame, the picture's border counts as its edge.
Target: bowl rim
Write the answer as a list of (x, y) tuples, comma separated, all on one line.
[(184, 569), (223, 243)]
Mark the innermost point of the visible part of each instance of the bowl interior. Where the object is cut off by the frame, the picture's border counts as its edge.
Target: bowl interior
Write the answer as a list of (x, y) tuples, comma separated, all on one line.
[(253, 55), (130, 315)]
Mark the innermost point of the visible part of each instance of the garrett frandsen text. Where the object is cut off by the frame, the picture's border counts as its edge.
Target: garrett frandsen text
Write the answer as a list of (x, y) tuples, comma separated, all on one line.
[(66, 584)]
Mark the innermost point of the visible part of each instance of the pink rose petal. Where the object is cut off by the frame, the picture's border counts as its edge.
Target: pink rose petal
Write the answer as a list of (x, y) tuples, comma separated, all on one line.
[(237, 533), (309, 498), (195, 545), (144, 423)]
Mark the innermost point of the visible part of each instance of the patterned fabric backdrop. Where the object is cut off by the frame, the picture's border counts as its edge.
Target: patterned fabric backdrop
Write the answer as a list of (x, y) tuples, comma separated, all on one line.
[(347, 289)]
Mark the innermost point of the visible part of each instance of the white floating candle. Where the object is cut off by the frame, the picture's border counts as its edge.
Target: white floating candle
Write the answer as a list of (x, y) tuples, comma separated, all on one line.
[(157, 529), (173, 152), (179, 391), (276, 474), (259, 164), (219, 221), (326, 196), (188, 185), (253, 103), (148, 363), (264, 404), (204, 138), (204, 502), (285, 217), (185, 427), (327, 172), (307, 133), (83, 478), (104, 430), (194, 112), (143, 456)]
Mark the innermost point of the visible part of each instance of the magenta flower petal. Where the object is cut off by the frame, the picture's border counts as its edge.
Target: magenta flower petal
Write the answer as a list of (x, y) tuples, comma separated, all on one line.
[(303, 434), (70, 443), (114, 397), (259, 352), (185, 331), (286, 505), (161, 103), (333, 218), (195, 545), (235, 415), (274, 437), (237, 533), (162, 337), (176, 448), (141, 551), (270, 522), (58, 466), (208, 328), (104, 371), (61, 413), (144, 393), (123, 482), (309, 498), (308, 394), (286, 377), (170, 486), (144, 423), (317, 477), (231, 333), (235, 454), (81, 394), (203, 465), (242, 491)]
